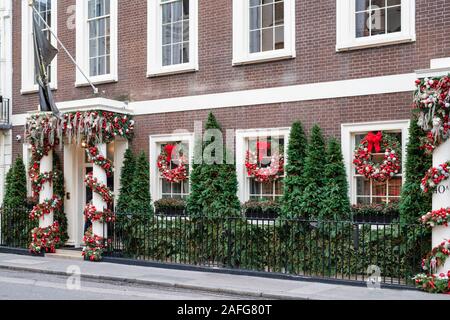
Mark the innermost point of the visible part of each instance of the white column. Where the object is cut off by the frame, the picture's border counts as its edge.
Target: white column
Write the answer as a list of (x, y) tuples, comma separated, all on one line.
[(100, 174), (46, 165), (441, 199)]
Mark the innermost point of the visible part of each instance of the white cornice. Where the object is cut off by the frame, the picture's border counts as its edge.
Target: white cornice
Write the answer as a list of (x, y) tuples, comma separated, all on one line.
[(94, 104)]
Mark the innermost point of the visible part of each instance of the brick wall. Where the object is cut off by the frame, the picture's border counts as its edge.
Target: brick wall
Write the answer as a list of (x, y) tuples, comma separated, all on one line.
[(329, 114), (316, 60)]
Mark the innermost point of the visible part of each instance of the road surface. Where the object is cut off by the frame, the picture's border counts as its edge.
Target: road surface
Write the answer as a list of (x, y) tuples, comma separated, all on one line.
[(19, 285)]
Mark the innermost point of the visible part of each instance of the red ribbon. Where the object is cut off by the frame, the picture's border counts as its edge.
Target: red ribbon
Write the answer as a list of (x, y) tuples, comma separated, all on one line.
[(168, 149), (262, 147), (374, 140)]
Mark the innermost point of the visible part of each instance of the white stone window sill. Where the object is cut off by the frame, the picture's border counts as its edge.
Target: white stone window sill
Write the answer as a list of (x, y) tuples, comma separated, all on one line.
[(169, 70), (35, 89), (376, 41), (263, 57), (97, 80)]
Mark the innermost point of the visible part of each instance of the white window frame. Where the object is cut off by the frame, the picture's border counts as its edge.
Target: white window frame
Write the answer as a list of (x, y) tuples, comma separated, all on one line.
[(155, 142), (154, 41), (345, 26), (348, 132), (82, 44), (241, 148), (28, 76), (241, 31)]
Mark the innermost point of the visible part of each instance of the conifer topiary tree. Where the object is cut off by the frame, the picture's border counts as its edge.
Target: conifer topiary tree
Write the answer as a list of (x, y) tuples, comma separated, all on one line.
[(314, 175), (141, 201), (413, 202), (213, 185), (126, 182), (293, 183), (16, 195), (336, 204)]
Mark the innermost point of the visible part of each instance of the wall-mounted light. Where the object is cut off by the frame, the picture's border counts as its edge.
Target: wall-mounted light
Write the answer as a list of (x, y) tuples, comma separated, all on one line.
[(83, 144), (18, 138)]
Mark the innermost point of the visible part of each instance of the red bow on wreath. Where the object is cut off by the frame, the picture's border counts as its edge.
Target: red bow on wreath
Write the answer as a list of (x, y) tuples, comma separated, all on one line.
[(374, 140), (262, 147), (168, 149)]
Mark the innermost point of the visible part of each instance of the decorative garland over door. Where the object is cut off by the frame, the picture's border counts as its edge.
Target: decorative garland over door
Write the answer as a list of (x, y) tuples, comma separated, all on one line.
[(44, 131)]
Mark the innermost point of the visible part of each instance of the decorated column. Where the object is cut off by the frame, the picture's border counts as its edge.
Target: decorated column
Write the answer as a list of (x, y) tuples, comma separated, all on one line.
[(46, 193), (441, 200), (98, 201), (42, 133), (432, 98)]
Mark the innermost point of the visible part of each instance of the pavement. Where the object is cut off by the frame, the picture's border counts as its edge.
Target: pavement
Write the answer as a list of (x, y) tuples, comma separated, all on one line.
[(196, 281)]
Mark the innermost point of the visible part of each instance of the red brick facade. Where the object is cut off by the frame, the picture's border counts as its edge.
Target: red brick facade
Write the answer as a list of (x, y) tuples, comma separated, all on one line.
[(316, 61)]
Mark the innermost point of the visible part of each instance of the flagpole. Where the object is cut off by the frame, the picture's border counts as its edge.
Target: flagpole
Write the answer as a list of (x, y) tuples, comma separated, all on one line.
[(94, 88)]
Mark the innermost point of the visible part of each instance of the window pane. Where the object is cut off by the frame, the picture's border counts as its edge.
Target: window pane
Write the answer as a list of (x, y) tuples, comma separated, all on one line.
[(394, 20), (361, 26), (362, 200), (255, 43), (267, 188), (361, 5), (279, 13), (395, 186), (362, 186), (378, 20), (267, 16), (177, 54), (255, 187), (185, 52), (166, 55), (255, 3), (186, 31), (91, 9), (185, 9), (255, 18), (394, 2), (177, 32), (378, 3), (165, 186), (101, 46), (93, 67), (279, 38), (379, 188), (166, 13), (267, 39), (167, 33), (176, 187), (93, 48), (177, 11)]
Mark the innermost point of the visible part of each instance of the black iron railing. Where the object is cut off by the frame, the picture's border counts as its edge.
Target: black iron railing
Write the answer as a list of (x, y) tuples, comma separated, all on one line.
[(15, 227), (4, 113), (324, 249)]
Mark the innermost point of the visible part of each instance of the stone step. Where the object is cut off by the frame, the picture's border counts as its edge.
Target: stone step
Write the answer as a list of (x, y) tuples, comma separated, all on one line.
[(66, 254)]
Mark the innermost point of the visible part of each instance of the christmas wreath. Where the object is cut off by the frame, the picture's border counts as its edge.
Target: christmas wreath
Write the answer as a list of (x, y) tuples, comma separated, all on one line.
[(432, 98), (95, 157), (46, 207), (435, 176), (382, 143), (262, 173), (434, 218), (177, 174)]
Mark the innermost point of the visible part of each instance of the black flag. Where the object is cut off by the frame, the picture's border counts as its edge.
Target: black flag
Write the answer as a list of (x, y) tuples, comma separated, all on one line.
[(44, 53)]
